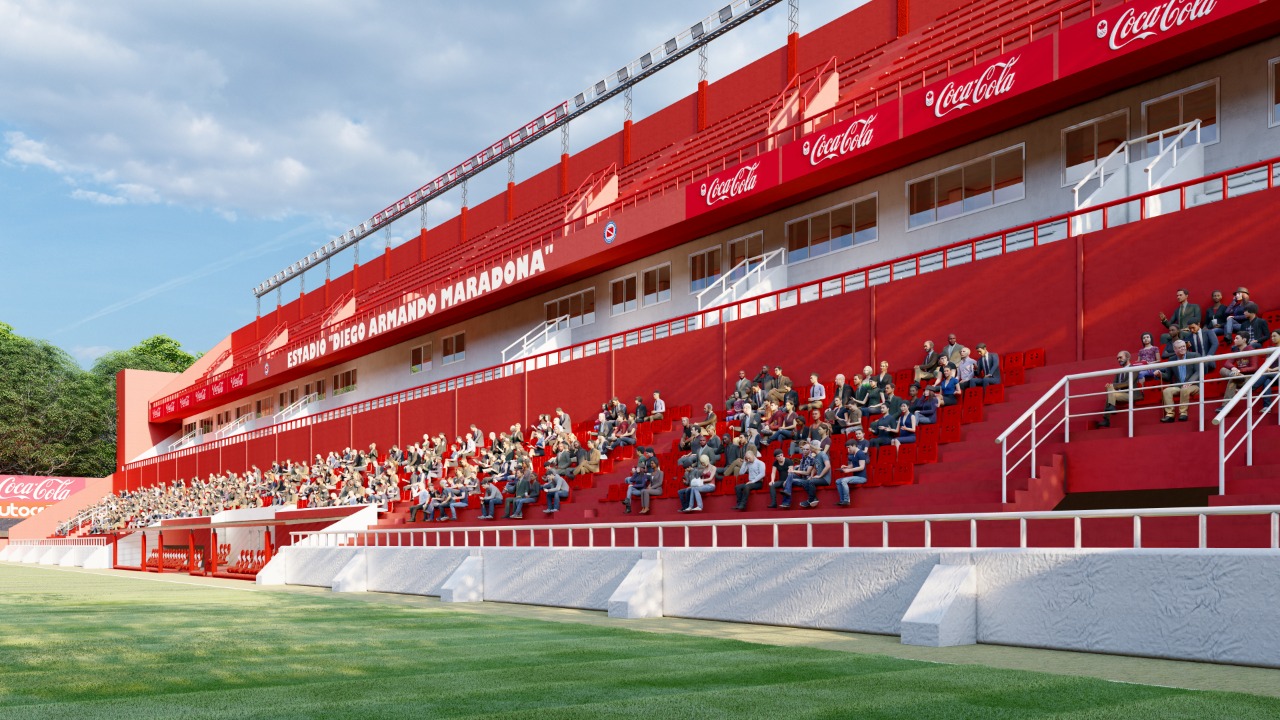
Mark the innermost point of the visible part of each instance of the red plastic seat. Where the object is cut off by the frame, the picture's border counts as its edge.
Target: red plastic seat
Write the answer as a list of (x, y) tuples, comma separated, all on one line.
[(992, 394), (1033, 358)]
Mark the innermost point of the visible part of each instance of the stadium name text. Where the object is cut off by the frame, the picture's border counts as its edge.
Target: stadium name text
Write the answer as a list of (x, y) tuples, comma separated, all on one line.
[(465, 289)]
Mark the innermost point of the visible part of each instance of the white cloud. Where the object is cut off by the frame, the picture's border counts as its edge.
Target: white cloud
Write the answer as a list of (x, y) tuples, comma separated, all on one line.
[(87, 355), (97, 198)]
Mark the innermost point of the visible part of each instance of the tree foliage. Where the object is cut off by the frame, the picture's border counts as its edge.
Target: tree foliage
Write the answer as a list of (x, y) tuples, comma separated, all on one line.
[(59, 419)]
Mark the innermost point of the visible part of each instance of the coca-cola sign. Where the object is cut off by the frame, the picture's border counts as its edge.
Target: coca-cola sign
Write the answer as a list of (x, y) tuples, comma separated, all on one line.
[(844, 140), (988, 84), (1136, 25), (24, 495), (732, 184)]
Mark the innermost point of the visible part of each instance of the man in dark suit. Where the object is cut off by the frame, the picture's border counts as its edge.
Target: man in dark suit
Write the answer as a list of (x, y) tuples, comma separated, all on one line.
[(1186, 313), (1181, 381), (928, 368), (1118, 389), (1253, 328), (988, 371), (1203, 342)]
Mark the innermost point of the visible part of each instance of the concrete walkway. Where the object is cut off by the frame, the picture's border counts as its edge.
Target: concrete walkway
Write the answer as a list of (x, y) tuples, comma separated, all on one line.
[(1114, 668)]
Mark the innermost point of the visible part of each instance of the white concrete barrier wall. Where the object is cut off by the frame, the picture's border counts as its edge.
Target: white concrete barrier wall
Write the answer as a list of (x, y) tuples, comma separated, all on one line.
[(413, 571), (561, 577), (316, 566)]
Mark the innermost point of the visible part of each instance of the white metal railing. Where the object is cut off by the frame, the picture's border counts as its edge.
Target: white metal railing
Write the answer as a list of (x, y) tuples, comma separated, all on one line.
[(233, 427), (741, 279), (535, 337), (612, 535), (295, 409), (61, 542), (185, 440), (1170, 151), (1103, 170), (1017, 449), (1264, 379)]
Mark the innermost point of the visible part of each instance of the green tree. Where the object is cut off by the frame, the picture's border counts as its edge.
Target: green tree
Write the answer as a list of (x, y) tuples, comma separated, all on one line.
[(58, 419)]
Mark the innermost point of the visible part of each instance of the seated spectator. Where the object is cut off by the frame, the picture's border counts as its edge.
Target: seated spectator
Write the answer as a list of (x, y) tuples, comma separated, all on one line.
[(742, 387), (1235, 311), (885, 378), (799, 473), (966, 369), (641, 412), (659, 407), (779, 473), (1237, 371), (988, 372), (906, 429), (928, 367), (819, 476), (591, 462), (1185, 313), (703, 446), (1118, 389), (1181, 381), (735, 452), (702, 481), (842, 391), (556, 489), (948, 387), (925, 407), (817, 394), (1215, 315), (687, 433), (777, 393), (526, 492), (853, 472), (754, 469), (1202, 342), (1148, 354), (952, 349), (1253, 328), (640, 479), (872, 398), (423, 496), (1173, 335), (734, 406), (842, 417), (490, 499), (709, 422), (749, 425)]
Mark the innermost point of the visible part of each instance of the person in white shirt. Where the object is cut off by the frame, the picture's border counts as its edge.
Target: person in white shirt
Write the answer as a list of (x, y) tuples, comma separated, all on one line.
[(755, 479), (817, 393), (659, 407)]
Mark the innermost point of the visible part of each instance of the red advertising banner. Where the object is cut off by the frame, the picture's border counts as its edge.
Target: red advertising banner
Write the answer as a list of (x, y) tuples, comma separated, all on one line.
[(845, 139), (1136, 25), (732, 184), (22, 496), (1008, 75)]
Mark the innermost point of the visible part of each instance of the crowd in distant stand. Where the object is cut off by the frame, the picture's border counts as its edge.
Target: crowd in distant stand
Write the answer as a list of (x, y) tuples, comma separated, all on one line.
[(1190, 333), (439, 476)]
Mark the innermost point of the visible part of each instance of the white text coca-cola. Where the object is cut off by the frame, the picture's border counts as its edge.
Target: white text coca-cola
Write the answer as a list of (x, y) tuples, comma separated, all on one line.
[(993, 82), (43, 489), (1134, 25), (742, 182), (825, 147)]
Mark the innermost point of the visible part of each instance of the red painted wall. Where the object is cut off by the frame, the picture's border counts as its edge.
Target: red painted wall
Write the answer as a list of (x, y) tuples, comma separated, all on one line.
[(487, 215), (537, 190), (588, 377), (493, 406), (682, 368), (594, 159), (669, 125), (186, 467), (370, 274), (331, 436), (314, 301), (261, 452), (758, 81), (404, 256), (376, 426), (233, 458), (208, 462), (294, 445), (845, 37), (428, 415)]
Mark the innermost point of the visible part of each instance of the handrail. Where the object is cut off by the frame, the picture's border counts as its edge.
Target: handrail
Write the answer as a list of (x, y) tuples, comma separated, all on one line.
[(544, 329), (343, 538), (232, 427), (588, 184), (185, 439), (295, 408), (1187, 127), (756, 265), (1031, 420), (1000, 242), (1123, 149), (72, 542), (750, 148), (1100, 170), (1247, 417)]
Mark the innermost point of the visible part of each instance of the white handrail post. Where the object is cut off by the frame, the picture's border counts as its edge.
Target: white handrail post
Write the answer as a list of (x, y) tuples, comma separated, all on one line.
[(1031, 471), (1248, 426), (1129, 410), (1222, 459), (1203, 524), (1004, 471), (1066, 412), (1201, 394), (1137, 532)]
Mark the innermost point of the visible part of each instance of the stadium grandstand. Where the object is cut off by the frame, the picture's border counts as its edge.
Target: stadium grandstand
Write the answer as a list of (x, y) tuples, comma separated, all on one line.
[(945, 302)]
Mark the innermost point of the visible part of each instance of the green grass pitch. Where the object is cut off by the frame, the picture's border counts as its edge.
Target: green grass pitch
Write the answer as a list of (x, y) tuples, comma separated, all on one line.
[(78, 645)]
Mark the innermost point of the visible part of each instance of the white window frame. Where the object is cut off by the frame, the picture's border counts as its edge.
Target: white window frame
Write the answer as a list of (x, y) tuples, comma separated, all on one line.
[(581, 320), (456, 357), (1062, 141), (425, 366), (853, 205), (933, 175), (640, 286), (1273, 119), (355, 381), (719, 273), (613, 311), (1217, 105)]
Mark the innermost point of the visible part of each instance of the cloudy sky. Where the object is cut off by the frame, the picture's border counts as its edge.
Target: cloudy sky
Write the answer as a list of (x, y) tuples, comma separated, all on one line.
[(158, 159)]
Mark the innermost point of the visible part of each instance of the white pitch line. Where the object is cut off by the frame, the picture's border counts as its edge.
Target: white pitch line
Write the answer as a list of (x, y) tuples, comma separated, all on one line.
[(130, 577)]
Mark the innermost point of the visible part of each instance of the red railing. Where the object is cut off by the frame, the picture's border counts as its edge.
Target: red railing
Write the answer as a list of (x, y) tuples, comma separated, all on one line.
[(1056, 19), (994, 244)]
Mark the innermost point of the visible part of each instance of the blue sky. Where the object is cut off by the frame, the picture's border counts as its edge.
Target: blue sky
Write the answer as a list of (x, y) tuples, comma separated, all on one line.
[(159, 159)]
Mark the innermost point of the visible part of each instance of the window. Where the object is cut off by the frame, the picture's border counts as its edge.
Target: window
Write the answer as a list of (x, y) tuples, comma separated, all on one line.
[(206, 425), (264, 407), (1086, 145), (1196, 102), (993, 180), (837, 228), (576, 310), (656, 283), (288, 397), (1275, 95), (623, 295), (749, 247), (455, 349), (245, 409), (314, 388), (344, 382), (704, 269), (420, 358), (188, 429)]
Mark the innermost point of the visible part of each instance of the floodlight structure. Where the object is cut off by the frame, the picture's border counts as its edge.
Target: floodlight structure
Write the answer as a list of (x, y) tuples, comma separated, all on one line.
[(696, 37)]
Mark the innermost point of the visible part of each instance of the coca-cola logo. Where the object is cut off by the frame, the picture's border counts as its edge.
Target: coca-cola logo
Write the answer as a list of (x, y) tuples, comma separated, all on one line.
[(170, 406), (1134, 25), (219, 387), (155, 412), (36, 489), (237, 380), (202, 394), (740, 183), (857, 136), (995, 81)]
